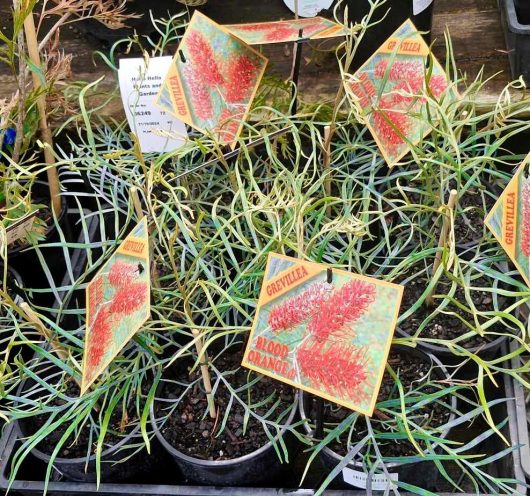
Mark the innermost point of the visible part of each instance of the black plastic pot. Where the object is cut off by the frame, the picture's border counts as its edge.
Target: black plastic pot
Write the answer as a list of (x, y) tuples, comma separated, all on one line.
[(522, 7), (262, 465), (83, 470), (423, 474), (25, 260), (486, 352), (517, 36)]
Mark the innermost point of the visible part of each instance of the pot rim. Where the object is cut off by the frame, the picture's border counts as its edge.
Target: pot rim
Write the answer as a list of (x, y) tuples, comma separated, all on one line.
[(442, 350), (221, 463), (83, 459), (389, 465)]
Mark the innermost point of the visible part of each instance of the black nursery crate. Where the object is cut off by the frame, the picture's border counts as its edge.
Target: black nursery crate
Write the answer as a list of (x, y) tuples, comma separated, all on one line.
[(522, 421), (517, 37), (32, 474)]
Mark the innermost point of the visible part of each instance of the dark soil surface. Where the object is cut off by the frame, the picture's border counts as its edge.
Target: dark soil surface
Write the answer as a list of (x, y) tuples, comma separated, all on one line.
[(449, 327), (77, 447), (469, 221), (410, 369), (191, 430)]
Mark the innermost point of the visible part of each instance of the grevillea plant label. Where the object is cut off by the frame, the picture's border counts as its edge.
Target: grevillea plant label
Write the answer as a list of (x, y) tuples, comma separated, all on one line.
[(389, 92), (262, 33), (329, 338), (117, 303), (509, 220), (212, 80)]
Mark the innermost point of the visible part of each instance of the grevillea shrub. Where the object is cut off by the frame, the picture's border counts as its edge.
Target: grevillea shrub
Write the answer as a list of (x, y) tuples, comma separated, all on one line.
[(300, 308), (342, 308), (525, 231), (338, 368)]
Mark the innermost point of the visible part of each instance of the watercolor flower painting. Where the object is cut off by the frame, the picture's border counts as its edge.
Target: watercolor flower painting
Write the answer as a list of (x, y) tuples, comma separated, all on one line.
[(389, 91), (328, 337), (212, 80), (118, 303)]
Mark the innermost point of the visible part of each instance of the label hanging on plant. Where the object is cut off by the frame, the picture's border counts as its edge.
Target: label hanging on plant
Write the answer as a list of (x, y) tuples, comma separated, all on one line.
[(117, 303), (157, 131), (262, 33), (389, 92), (509, 220), (20, 228), (212, 80), (379, 482), (328, 338), (308, 8)]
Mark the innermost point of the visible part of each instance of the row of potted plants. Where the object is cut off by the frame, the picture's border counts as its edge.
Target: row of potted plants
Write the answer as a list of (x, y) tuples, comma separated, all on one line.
[(210, 232)]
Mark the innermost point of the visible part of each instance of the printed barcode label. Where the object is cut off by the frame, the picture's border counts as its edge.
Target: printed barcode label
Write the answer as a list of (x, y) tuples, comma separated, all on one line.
[(380, 482)]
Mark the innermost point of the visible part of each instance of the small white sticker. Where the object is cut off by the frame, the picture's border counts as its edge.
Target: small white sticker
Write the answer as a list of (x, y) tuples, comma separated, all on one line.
[(20, 228), (309, 8), (418, 6), (380, 482), (139, 87)]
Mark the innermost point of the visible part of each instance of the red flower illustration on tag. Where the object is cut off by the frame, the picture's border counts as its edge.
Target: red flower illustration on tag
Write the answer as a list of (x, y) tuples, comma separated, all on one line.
[(101, 335), (241, 78), (122, 273), (128, 299), (342, 308), (200, 96), (337, 368), (203, 59), (298, 309)]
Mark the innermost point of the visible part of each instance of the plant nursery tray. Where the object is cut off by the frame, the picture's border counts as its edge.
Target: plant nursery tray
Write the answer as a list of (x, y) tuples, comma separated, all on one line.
[(522, 421), (164, 480)]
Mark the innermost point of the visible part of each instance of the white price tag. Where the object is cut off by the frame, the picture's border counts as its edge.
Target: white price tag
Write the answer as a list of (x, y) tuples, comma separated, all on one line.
[(138, 87), (309, 8), (380, 482), (19, 228), (418, 6)]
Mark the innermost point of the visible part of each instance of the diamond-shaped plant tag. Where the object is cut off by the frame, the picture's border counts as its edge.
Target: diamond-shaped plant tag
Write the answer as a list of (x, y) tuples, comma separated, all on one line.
[(212, 80), (326, 332), (387, 90), (117, 303), (509, 220)]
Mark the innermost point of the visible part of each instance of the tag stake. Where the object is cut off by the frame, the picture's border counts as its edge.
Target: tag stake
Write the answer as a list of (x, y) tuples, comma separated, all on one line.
[(326, 161), (205, 371)]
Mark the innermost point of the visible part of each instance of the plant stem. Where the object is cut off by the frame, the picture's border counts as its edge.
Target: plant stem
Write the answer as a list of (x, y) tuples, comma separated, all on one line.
[(205, 371), (46, 134), (453, 195)]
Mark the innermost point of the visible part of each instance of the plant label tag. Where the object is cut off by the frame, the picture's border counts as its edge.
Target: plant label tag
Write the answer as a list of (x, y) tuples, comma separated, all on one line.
[(308, 8), (262, 33), (157, 131), (418, 6), (380, 482), (117, 303), (212, 80), (20, 228), (509, 220), (329, 336), (389, 92)]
